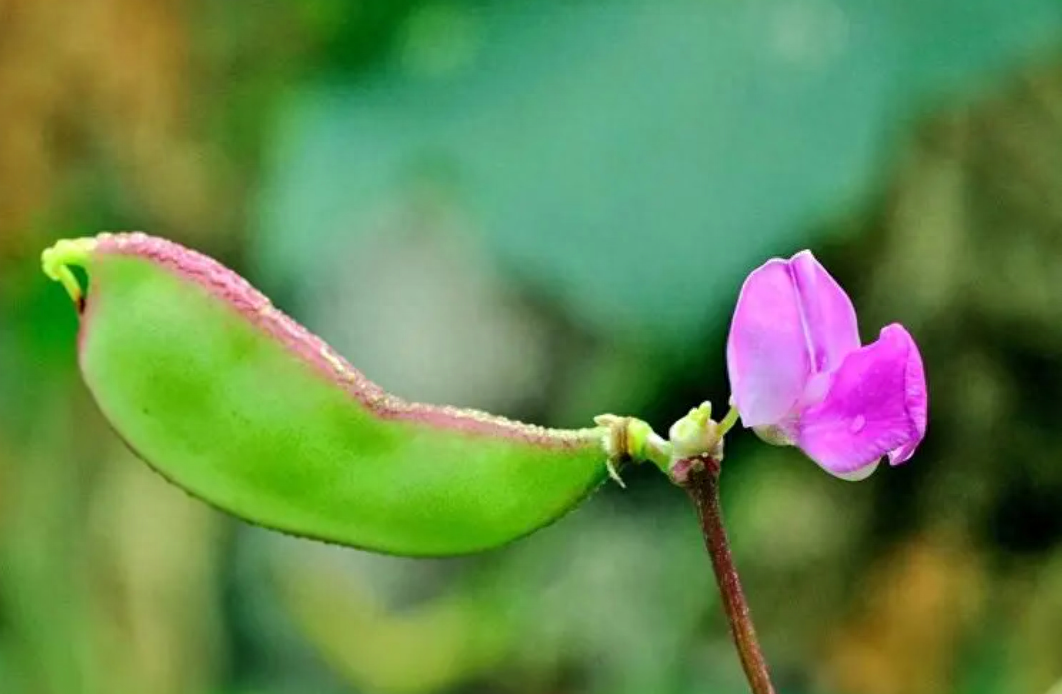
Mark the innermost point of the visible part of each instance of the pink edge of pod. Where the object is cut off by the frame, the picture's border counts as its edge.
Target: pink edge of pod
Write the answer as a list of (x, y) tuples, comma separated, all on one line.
[(255, 307)]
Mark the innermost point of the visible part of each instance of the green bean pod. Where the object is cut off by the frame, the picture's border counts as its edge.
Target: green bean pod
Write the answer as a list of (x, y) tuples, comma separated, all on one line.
[(236, 403)]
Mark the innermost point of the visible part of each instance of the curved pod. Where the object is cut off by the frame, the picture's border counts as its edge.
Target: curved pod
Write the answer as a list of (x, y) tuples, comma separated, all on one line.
[(242, 407)]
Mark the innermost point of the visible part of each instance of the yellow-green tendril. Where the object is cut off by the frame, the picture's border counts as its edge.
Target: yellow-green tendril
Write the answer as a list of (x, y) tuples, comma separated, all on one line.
[(56, 262)]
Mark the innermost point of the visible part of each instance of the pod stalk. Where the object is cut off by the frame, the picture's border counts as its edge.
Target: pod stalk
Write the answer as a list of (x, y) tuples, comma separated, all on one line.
[(700, 479), (56, 262)]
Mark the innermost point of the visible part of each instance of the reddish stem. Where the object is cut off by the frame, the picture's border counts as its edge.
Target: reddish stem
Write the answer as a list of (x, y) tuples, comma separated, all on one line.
[(700, 478)]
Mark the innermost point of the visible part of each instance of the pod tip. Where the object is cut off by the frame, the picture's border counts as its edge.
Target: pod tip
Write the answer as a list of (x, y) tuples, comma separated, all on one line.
[(56, 262)]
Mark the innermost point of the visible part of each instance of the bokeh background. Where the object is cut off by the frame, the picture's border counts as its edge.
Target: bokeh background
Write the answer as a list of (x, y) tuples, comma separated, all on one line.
[(545, 209)]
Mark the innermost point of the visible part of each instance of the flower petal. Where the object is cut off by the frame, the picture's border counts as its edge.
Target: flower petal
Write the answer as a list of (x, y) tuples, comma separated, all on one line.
[(873, 407), (767, 351), (829, 317), (917, 400)]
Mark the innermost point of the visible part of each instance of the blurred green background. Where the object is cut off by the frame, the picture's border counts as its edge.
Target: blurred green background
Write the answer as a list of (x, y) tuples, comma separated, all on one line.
[(545, 209)]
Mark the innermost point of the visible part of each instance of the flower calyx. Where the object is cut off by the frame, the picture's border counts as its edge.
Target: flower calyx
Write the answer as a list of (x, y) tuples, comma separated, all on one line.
[(694, 440)]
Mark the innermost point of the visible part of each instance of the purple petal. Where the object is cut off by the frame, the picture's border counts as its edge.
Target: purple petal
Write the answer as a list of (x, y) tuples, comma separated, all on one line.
[(917, 400), (829, 317), (767, 352), (876, 404)]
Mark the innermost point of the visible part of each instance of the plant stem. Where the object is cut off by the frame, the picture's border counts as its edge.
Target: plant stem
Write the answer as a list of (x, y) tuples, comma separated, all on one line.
[(700, 477)]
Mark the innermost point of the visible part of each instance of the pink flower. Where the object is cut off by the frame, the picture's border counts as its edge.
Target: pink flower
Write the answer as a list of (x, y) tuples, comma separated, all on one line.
[(800, 377)]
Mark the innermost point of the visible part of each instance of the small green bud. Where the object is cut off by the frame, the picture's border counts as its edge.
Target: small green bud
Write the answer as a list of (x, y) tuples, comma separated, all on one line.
[(696, 434)]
